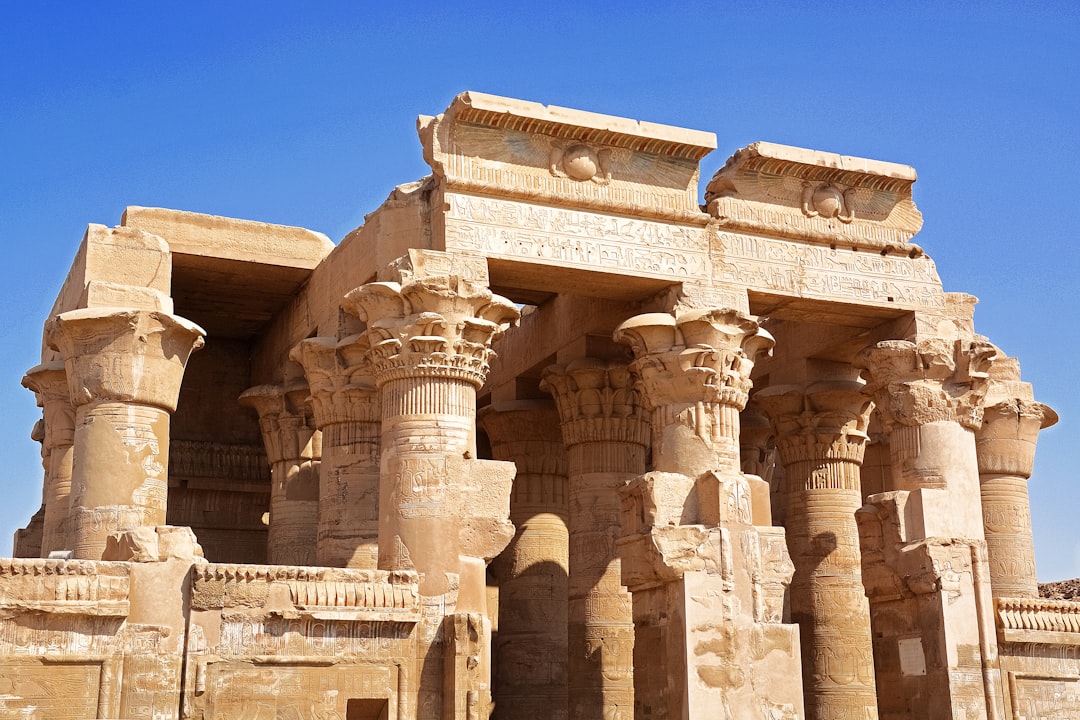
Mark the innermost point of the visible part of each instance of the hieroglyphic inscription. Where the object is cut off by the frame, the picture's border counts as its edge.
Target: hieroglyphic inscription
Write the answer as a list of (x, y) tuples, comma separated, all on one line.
[(558, 236), (813, 271), (242, 690), (49, 690), (1044, 698)]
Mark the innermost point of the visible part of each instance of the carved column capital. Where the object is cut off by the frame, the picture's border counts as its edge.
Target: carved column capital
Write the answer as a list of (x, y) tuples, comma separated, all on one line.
[(49, 383), (823, 426), (340, 379), (1005, 443), (597, 402), (694, 356), (915, 383), (124, 355), (284, 418), (439, 326)]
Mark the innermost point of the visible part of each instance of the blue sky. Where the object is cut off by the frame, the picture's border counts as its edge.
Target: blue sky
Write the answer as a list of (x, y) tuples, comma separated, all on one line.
[(304, 114)]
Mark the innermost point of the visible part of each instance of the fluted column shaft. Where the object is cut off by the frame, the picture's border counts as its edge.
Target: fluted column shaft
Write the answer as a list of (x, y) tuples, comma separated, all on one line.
[(606, 432), (531, 647), (821, 437), (346, 409), (49, 382), (124, 369), (293, 449), (1005, 445)]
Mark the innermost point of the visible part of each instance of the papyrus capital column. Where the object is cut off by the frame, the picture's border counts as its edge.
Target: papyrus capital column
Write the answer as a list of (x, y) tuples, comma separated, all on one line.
[(49, 382), (693, 372), (345, 402), (1005, 446), (606, 431), (124, 369), (293, 449), (531, 647), (930, 396), (821, 435), (698, 550), (442, 512), (430, 344)]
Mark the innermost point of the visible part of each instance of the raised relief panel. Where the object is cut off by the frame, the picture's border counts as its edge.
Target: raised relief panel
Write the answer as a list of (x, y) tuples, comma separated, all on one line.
[(52, 690), (1042, 697), (513, 230), (838, 274)]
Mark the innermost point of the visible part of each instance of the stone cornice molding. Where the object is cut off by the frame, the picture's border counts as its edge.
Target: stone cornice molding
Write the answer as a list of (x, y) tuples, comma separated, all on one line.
[(430, 327), (812, 196), (124, 355), (597, 402), (340, 379), (932, 380), (694, 356)]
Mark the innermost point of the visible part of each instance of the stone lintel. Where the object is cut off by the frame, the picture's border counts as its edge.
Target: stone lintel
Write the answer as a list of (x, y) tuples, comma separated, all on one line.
[(190, 233)]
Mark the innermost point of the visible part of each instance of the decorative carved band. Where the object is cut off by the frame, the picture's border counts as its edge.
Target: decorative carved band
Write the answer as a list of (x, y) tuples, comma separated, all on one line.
[(200, 459), (1038, 614)]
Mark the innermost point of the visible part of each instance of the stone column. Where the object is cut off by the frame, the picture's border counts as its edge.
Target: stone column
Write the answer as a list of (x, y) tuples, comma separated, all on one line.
[(293, 449), (346, 408), (606, 432), (49, 383), (1005, 446), (124, 369), (937, 648), (531, 647), (442, 512), (821, 435), (706, 569)]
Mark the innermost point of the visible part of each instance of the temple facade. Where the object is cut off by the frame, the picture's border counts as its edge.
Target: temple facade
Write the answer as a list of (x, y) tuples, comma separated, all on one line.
[(545, 438)]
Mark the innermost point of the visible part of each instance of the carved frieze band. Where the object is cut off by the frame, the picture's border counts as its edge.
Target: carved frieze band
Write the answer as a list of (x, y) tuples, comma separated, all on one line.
[(1038, 614)]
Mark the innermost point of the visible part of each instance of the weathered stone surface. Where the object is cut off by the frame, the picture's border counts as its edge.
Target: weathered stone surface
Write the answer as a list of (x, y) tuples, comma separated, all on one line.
[(715, 518)]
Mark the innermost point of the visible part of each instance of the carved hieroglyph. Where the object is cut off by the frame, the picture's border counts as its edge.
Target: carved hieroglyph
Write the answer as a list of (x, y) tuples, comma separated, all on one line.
[(821, 436), (531, 648), (124, 369), (606, 432)]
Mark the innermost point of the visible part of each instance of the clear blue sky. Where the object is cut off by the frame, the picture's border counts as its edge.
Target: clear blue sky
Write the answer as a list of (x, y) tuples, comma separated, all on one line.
[(303, 114)]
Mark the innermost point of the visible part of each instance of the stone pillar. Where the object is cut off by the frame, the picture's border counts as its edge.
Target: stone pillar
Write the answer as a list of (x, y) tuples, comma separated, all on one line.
[(49, 383), (293, 449), (346, 408), (442, 512), (606, 432), (531, 647), (706, 568), (1005, 446), (936, 649), (124, 369), (821, 435)]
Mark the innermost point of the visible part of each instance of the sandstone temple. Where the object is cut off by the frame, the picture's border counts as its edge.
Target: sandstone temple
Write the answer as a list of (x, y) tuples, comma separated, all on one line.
[(545, 438)]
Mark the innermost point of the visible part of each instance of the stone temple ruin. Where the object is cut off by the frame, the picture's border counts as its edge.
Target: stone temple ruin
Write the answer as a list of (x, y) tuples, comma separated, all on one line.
[(543, 439)]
